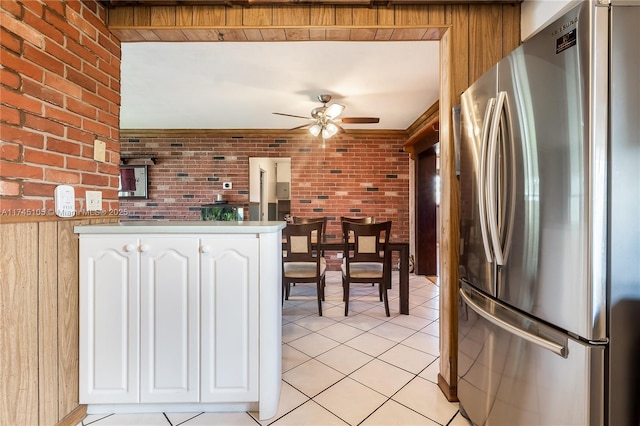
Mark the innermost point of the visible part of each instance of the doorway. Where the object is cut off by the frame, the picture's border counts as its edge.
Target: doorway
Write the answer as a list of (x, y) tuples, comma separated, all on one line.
[(427, 194), (269, 186)]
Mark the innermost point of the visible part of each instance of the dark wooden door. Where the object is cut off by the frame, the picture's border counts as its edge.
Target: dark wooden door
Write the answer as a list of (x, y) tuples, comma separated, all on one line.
[(426, 214)]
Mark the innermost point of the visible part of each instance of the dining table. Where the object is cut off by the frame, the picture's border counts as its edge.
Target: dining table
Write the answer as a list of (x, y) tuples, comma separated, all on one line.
[(402, 248)]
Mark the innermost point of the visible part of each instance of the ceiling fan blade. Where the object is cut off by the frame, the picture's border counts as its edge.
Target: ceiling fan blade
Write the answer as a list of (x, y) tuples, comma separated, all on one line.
[(300, 127), (359, 120), (291, 115), (333, 111)]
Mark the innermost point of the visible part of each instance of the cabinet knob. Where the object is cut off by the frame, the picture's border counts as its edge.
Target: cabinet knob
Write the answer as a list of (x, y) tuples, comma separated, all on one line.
[(129, 248), (205, 249), (144, 247)]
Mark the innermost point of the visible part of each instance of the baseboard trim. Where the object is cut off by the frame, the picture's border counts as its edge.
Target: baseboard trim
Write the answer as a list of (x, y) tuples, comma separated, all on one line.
[(74, 417), (450, 392)]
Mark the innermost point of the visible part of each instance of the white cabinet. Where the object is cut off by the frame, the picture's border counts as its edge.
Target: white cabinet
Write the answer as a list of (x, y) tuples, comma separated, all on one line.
[(139, 320), (180, 317), (229, 291)]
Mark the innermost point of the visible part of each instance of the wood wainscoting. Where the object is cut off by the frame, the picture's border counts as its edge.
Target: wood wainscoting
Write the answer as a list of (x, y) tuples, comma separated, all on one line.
[(39, 320)]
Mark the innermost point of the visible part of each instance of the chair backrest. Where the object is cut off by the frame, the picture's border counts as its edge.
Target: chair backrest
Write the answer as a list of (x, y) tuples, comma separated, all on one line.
[(299, 239), (365, 219), (322, 219), (361, 220), (369, 242)]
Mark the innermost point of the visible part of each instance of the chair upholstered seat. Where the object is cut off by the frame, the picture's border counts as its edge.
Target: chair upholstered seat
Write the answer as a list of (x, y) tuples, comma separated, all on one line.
[(304, 269), (364, 269)]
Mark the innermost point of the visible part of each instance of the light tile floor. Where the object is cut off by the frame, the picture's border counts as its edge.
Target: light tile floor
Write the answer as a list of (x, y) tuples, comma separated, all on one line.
[(364, 369)]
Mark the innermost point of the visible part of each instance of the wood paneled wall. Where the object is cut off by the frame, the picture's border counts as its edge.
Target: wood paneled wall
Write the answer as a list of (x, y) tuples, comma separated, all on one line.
[(39, 322), (472, 39), (480, 36)]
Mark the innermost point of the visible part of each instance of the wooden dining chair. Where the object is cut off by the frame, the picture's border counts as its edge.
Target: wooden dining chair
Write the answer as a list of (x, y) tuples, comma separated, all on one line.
[(301, 263), (367, 259), (363, 220)]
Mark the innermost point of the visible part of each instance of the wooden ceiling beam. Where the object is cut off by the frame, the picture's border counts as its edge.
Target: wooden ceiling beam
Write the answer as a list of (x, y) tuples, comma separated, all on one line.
[(252, 133), (138, 33), (424, 132)]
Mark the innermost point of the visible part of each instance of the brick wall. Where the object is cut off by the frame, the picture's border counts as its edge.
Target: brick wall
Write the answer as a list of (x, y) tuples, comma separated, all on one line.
[(354, 176), (59, 91)]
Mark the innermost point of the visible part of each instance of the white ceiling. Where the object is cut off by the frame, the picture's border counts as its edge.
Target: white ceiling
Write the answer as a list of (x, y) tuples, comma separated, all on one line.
[(238, 85)]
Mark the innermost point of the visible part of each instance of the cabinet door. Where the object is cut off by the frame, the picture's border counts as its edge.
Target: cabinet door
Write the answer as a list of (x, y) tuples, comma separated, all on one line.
[(109, 339), (169, 319), (229, 327)]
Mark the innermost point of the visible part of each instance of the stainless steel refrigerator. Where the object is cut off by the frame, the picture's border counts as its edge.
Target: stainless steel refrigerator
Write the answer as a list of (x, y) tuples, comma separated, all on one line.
[(549, 312)]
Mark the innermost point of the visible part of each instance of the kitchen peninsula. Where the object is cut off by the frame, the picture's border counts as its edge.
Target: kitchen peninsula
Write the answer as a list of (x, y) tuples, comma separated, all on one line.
[(180, 316)]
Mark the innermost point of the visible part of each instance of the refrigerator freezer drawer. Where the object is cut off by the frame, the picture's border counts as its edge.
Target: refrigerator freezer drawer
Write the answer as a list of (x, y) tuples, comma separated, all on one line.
[(508, 377)]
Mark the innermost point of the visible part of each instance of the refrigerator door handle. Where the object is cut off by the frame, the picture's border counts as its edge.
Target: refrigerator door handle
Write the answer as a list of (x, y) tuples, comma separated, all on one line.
[(492, 180), (510, 175), (482, 177), (509, 324)]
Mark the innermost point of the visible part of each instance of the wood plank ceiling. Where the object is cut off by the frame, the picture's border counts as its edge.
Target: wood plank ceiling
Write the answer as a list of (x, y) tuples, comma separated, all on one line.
[(171, 20)]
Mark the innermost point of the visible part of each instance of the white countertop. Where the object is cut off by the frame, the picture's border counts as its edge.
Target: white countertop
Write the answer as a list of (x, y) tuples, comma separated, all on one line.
[(182, 227)]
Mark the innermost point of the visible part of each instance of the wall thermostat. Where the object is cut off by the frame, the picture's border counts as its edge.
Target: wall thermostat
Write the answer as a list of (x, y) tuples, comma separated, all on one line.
[(65, 201), (226, 185)]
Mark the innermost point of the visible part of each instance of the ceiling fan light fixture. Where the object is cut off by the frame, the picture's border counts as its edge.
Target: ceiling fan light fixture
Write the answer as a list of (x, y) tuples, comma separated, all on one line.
[(329, 130), (315, 129)]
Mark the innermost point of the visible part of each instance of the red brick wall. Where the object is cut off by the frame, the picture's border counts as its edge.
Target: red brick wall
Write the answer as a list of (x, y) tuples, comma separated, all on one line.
[(59, 91), (349, 177)]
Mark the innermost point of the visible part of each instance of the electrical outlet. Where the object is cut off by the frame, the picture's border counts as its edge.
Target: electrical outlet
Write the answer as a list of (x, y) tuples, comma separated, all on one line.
[(99, 150), (93, 200), (339, 255), (227, 185)]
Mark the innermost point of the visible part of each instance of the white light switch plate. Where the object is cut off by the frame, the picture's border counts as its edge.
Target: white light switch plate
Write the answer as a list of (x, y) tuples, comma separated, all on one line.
[(99, 150), (94, 200)]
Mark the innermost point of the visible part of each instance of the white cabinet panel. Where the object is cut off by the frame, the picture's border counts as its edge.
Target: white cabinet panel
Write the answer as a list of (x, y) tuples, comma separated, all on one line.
[(169, 320), (109, 320), (229, 286)]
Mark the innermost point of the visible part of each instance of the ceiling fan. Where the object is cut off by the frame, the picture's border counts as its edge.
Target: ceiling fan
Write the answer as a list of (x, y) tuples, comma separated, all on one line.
[(325, 121)]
